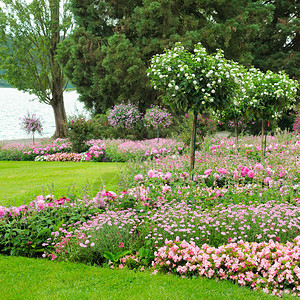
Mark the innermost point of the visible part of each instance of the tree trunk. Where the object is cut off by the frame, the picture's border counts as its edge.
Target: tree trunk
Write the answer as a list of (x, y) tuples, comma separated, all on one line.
[(157, 134), (193, 142), (262, 139), (236, 133), (57, 101), (60, 116)]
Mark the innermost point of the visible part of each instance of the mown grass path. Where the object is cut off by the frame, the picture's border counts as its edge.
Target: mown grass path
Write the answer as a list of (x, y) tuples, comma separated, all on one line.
[(20, 181), (24, 278)]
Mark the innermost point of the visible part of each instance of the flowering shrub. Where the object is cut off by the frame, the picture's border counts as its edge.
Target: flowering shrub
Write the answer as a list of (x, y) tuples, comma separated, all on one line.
[(80, 130), (124, 116), (31, 124), (157, 118), (270, 266), (296, 126), (25, 229), (61, 157)]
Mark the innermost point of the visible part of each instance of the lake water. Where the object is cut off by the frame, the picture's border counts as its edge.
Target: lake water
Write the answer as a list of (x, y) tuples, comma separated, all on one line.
[(15, 104)]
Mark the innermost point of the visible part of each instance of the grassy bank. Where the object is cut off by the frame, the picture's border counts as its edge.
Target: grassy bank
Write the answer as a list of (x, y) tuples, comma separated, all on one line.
[(21, 181), (24, 278)]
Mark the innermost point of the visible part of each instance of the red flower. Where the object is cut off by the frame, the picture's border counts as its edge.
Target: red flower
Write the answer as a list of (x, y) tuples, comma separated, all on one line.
[(121, 245), (277, 239)]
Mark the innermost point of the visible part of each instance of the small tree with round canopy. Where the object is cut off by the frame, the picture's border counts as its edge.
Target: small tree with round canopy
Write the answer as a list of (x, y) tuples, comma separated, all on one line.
[(269, 94), (194, 82)]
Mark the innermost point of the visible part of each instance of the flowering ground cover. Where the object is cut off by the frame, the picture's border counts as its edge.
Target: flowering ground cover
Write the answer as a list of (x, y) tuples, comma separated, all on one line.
[(235, 218), (98, 150)]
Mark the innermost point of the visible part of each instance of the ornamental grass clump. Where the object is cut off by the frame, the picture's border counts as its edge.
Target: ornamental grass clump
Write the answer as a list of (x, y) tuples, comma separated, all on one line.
[(124, 116), (31, 123)]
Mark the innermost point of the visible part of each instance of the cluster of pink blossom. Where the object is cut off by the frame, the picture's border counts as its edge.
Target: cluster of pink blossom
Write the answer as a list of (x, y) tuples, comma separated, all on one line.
[(255, 222), (169, 146), (76, 157), (103, 198), (156, 117), (31, 123), (270, 266), (124, 116), (158, 152), (95, 152), (57, 146), (40, 203)]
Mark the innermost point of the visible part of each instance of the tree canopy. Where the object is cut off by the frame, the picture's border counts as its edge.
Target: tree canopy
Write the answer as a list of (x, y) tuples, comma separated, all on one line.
[(30, 34), (107, 56)]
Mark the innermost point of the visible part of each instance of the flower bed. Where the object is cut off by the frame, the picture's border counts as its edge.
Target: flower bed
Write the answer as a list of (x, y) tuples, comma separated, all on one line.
[(235, 219)]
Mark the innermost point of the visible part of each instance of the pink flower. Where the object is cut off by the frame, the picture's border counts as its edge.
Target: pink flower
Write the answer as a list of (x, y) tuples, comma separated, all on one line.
[(121, 245), (208, 171), (267, 180), (167, 176), (250, 174), (222, 171), (138, 177), (151, 173)]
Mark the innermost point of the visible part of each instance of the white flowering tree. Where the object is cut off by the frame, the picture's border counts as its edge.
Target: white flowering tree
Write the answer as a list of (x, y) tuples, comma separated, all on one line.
[(269, 95), (193, 82), (236, 109)]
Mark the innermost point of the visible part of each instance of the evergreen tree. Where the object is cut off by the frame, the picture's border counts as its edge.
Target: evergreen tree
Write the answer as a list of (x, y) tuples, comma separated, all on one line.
[(107, 56)]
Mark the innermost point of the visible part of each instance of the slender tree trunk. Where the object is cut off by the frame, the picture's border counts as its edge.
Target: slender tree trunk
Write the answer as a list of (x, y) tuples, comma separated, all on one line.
[(157, 134), (124, 134), (236, 133), (33, 137), (193, 142), (57, 101), (262, 139)]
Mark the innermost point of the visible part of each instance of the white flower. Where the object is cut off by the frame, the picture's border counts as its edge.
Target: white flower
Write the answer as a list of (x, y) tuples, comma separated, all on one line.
[(176, 87)]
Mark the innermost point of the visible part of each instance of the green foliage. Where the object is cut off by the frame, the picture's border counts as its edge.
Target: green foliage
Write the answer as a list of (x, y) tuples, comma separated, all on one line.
[(206, 125), (30, 33), (26, 233), (80, 131), (106, 57)]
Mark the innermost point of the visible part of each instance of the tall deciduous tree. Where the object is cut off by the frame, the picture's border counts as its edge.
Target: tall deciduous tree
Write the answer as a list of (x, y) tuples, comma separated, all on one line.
[(30, 34)]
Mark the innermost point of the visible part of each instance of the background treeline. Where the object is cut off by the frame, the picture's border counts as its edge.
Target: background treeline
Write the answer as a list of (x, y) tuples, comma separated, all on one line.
[(107, 55)]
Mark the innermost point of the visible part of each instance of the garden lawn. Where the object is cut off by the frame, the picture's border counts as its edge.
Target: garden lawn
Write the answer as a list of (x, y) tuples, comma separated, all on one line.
[(21, 181), (24, 278)]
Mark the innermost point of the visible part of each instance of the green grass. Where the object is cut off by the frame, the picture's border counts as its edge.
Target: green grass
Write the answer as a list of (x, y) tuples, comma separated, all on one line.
[(24, 278), (20, 181)]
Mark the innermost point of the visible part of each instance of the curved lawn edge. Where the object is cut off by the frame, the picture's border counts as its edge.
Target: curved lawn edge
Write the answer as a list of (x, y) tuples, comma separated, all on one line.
[(32, 178), (29, 278)]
